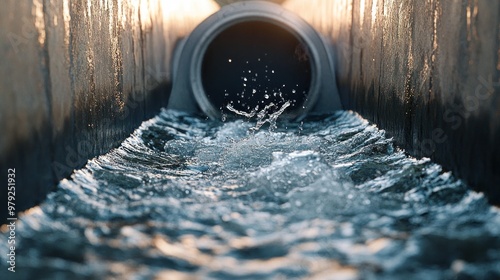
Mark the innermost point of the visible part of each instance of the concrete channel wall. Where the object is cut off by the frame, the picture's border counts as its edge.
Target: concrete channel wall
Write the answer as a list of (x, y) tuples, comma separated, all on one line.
[(76, 77)]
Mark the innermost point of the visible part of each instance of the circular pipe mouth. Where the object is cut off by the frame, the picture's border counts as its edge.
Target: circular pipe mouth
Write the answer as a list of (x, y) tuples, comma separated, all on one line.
[(254, 65), (254, 59)]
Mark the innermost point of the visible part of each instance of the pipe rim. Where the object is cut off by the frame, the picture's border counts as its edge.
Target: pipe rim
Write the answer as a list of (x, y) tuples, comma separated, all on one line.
[(264, 12)]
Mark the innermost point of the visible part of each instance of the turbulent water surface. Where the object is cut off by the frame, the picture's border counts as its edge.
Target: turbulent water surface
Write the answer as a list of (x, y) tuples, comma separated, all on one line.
[(187, 198)]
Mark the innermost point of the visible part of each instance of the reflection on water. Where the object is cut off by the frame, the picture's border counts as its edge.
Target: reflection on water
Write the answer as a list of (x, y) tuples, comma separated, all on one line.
[(330, 198)]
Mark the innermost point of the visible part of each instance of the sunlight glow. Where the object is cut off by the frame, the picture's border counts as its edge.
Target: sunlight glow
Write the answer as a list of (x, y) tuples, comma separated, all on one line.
[(178, 16), (330, 19)]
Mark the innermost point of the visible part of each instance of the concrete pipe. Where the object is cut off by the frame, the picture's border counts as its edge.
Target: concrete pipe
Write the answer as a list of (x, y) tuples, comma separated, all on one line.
[(254, 55)]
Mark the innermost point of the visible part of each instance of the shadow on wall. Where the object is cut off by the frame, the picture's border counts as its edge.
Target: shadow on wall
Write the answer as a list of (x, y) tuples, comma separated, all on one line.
[(77, 77)]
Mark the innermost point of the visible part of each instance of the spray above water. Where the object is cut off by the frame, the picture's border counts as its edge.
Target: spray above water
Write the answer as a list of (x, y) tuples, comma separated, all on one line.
[(263, 116), (264, 103)]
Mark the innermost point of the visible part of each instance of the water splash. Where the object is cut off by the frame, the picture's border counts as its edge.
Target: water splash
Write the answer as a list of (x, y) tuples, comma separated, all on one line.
[(266, 115), (243, 113)]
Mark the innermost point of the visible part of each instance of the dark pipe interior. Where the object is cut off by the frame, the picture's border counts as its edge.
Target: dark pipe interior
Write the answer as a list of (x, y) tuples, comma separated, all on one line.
[(254, 64)]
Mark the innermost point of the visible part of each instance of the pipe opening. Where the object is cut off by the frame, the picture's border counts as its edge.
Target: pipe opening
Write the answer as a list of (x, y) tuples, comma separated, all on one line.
[(256, 64)]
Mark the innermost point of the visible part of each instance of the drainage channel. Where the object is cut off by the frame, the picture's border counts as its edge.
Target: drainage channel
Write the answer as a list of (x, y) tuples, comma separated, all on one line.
[(190, 198), (195, 193)]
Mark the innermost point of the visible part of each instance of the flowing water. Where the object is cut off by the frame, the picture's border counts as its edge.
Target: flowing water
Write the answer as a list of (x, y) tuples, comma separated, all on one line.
[(329, 198)]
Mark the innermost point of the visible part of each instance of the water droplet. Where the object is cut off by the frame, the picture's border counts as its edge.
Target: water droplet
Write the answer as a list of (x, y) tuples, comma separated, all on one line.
[(230, 60), (245, 79), (254, 91), (272, 71), (293, 91)]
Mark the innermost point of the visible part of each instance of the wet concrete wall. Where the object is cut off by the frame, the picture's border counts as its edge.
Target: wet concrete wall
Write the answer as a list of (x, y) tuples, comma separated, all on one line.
[(428, 72), (76, 78)]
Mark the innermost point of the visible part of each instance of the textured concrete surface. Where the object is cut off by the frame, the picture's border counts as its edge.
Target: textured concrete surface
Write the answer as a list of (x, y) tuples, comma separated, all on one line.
[(428, 72), (76, 77)]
